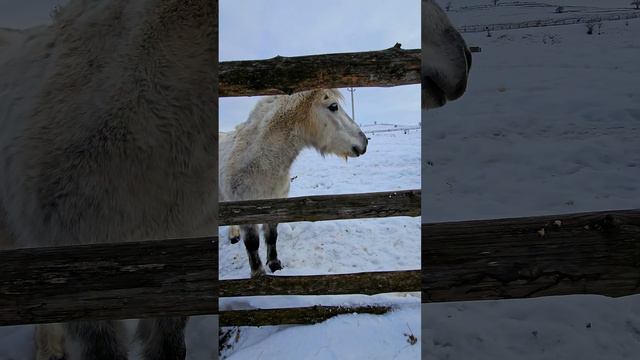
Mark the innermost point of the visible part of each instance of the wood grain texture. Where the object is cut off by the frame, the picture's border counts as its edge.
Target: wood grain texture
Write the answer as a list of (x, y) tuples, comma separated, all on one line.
[(286, 75), (109, 281), (290, 316), (368, 283), (323, 207), (586, 253)]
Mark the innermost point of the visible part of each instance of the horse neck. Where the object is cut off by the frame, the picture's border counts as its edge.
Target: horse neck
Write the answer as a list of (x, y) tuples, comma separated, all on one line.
[(285, 135)]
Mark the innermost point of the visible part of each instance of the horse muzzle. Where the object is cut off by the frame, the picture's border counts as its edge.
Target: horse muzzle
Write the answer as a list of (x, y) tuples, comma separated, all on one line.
[(358, 150)]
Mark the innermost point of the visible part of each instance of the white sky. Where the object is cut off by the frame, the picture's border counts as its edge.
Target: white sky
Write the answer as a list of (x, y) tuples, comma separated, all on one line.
[(260, 29)]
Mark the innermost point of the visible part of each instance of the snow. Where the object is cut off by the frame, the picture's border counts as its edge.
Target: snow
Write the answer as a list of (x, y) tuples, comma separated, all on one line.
[(562, 327), (343, 246), (550, 124)]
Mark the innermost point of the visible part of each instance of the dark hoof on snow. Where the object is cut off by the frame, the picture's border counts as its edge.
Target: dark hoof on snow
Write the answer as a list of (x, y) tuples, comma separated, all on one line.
[(235, 239), (274, 265), (258, 272)]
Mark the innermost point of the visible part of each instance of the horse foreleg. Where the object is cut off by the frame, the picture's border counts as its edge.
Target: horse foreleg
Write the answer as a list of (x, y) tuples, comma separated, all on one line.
[(162, 338), (93, 340), (271, 236), (234, 233), (252, 243), (50, 342)]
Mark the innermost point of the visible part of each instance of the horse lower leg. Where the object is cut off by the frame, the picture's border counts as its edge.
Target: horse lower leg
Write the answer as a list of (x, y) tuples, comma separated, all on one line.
[(271, 236), (234, 234), (50, 342), (162, 338), (252, 243), (96, 340)]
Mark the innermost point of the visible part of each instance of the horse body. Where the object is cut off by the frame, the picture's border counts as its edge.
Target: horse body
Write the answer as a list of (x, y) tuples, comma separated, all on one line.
[(107, 132), (446, 59), (256, 157)]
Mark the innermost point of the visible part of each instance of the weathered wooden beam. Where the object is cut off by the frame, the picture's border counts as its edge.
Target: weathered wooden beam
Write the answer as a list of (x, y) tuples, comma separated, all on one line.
[(286, 75), (323, 207), (290, 316), (586, 253), (368, 283), (580, 19), (109, 281)]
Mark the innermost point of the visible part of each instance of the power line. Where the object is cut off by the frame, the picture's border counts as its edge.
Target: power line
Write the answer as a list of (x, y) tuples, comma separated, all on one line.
[(353, 114)]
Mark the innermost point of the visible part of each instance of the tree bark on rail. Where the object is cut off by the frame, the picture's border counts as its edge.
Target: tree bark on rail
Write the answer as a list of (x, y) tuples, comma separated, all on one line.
[(291, 316), (286, 75), (323, 207), (109, 281), (368, 283), (586, 253)]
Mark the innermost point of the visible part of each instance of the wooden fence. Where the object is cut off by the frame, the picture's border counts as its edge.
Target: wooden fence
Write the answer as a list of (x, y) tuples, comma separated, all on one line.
[(282, 75), (109, 281), (581, 19), (317, 208), (586, 253), (179, 276), (489, 259)]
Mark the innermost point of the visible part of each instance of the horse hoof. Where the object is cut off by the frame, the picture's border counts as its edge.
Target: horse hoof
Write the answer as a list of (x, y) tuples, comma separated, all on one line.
[(258, 272), (234, 240), (274, 265)]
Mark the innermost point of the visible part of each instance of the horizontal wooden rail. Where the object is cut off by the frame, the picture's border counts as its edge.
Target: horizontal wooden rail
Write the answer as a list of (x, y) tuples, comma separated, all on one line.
[(368, 283), (322, 207), (286, 75), (291, 316), (109, 281), (579, 19), (586, 253)]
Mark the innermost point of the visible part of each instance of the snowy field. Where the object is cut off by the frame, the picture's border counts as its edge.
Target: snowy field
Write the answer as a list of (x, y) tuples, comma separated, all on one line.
[(550, 124), (392, 162)]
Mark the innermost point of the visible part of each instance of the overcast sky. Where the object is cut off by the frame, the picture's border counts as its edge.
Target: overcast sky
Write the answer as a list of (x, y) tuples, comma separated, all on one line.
[(260, 29)]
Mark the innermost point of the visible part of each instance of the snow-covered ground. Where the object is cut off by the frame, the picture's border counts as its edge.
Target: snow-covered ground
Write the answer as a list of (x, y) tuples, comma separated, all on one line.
[(550, 124), (392, 162)]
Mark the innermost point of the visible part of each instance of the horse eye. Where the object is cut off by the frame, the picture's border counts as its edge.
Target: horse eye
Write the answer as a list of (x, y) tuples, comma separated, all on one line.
[(333, 107)]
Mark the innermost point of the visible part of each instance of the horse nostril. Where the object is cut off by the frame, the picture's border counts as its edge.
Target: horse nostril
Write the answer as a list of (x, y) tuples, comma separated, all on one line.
[(356, 150)]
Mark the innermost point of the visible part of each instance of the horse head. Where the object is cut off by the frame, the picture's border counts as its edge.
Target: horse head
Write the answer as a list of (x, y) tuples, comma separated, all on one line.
[(333, 129), (446, 59)]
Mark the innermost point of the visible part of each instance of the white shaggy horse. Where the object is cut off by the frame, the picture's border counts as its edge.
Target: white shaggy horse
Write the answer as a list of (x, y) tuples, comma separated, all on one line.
[(256, 157), (108, 134), (446, 60)]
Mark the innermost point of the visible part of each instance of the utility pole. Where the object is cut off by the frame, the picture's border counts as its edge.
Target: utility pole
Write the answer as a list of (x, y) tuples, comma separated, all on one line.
[(353, 114)]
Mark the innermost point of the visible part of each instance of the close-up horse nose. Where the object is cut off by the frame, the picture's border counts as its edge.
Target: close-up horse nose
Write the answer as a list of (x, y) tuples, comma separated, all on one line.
[(357, 150)]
